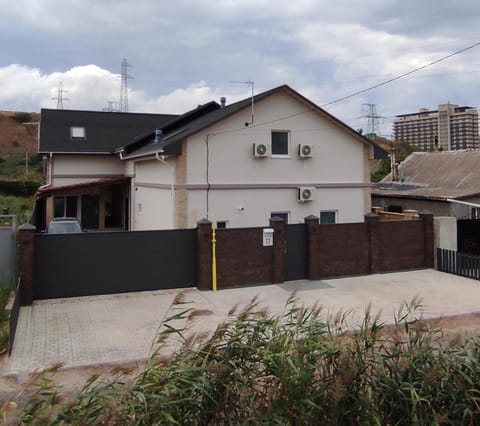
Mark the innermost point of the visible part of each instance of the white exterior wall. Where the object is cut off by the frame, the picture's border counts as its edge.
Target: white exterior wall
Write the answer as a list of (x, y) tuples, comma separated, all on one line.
[(152, 197), (73, 169), (248, 207), (338, 161)]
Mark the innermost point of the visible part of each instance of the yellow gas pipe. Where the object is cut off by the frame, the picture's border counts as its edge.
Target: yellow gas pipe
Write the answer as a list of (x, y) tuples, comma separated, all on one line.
[(214, 260)]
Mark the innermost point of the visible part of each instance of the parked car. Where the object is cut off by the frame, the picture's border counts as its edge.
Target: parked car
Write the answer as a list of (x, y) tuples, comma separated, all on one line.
[(64, 225)]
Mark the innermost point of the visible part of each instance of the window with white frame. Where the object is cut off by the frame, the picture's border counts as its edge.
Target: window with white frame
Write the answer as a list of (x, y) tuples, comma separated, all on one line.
[(77, 132), (280, 142), (328, 216)]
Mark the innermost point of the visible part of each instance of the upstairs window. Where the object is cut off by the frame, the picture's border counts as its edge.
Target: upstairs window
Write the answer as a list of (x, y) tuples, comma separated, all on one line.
[(77, 132), (280, 142)]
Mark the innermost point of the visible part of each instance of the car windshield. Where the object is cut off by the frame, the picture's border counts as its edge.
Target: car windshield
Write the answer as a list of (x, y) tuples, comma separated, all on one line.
[(63, 228)]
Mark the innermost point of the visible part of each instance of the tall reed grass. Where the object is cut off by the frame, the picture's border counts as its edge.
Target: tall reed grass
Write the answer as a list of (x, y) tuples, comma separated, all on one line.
[(291, 369)]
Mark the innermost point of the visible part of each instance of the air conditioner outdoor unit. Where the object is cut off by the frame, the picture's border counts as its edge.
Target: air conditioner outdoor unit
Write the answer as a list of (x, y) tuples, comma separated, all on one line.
[(305, 193), (305, 150), (261, 150)]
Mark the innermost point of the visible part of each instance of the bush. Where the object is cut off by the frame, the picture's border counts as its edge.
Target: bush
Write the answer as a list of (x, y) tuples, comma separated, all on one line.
[(22, 207), (14, 165), (288, 369), (21, 187), (22, 117)]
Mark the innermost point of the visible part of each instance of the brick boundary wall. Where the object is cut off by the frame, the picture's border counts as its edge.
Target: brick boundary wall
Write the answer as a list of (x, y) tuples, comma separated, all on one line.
[(331, 251), (334, 250)]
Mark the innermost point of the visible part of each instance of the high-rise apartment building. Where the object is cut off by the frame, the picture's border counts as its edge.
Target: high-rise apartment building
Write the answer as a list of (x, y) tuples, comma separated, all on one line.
[(450, 127)]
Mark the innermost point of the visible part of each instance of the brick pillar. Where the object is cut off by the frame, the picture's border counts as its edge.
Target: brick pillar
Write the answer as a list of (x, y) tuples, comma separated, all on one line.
[(204, 254), (375, 254), (312, 224), (427, 219), (278, 253), (26, 250)]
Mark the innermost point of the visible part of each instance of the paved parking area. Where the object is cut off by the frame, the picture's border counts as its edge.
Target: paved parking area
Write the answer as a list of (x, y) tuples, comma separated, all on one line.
[(113, 329)]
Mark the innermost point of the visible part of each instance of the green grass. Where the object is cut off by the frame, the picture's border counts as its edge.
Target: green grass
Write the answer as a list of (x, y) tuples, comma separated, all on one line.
[(293, 369)]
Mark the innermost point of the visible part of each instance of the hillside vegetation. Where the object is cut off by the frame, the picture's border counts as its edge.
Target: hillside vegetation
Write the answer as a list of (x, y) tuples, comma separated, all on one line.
[(20, 165)]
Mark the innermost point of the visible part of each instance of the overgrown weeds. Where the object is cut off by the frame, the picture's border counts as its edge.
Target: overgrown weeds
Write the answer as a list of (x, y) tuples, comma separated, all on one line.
[(293, 368)]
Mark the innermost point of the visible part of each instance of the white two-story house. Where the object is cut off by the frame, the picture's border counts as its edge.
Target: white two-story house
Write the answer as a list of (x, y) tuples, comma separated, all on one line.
[(276, 154)]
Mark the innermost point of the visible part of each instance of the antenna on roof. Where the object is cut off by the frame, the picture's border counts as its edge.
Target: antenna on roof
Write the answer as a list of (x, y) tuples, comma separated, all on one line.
[(60, 97), (250, 83), (123, 103)]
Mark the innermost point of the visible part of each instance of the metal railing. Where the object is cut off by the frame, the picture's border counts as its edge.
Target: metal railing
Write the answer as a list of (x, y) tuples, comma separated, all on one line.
[(454, 262)]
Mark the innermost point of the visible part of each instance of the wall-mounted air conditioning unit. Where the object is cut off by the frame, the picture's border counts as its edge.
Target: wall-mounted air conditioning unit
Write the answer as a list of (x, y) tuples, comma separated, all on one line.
[(261, 150), (305, 193), (305, 150)]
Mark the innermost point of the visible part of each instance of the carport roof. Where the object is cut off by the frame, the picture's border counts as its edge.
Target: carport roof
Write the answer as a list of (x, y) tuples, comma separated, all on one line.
[(47, 190)]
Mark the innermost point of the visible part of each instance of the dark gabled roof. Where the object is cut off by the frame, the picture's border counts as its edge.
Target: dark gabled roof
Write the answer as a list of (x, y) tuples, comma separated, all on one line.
[(211, 113), (105, 132)]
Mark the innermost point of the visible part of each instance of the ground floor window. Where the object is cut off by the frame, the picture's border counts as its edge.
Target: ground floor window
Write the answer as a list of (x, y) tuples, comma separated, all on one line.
[(65, 206), (282, 215), (221, 224), (328, 216)]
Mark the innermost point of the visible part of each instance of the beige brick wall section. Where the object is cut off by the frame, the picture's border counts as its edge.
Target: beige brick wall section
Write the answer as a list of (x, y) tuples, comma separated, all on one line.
[(181, 198)]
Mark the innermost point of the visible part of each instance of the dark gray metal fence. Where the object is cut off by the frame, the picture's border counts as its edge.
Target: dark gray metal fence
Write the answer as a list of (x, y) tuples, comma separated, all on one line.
[(295, 252), (8, 226), (113, 262), (454, 262)]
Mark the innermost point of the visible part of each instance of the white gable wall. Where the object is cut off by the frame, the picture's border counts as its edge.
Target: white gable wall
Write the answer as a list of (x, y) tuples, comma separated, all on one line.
[(253, 188)]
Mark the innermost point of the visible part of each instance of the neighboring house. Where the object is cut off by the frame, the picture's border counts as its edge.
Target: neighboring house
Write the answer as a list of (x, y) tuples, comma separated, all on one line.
[(277, 154), (445, 183)]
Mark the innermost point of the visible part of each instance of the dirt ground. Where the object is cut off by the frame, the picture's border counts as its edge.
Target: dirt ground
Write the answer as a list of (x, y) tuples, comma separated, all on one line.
[(14, 391)]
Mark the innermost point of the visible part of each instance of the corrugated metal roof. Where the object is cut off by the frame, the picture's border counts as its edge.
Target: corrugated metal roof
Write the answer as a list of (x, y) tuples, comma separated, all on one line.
[(439, 175)]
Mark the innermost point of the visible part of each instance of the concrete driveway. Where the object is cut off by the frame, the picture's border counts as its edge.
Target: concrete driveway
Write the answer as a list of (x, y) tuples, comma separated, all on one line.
[(114, 329)]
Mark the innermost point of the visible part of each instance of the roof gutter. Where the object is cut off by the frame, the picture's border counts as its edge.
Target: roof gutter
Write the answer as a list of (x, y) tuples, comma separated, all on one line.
[(465, 203)]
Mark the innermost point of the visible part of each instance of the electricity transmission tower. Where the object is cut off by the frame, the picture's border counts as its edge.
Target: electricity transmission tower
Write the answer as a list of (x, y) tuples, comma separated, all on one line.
[(373, 120), (123, 102), (60, 97)]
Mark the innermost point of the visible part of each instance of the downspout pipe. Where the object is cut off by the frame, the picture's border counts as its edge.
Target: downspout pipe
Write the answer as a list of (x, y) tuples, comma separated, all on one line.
[(160, 157), (207, 176)]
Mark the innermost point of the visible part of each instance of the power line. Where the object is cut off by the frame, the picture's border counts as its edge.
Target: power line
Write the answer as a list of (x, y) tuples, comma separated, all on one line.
[(359, 92), (402, 75)]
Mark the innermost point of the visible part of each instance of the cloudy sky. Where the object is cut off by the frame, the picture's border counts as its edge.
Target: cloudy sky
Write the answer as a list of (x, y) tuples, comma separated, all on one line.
[(186, 52)]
